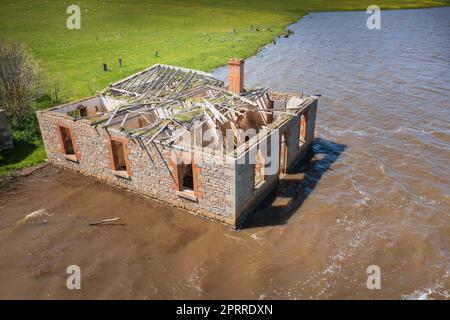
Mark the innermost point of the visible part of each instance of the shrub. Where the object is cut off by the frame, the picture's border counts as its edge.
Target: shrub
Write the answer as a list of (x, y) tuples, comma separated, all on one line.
[(20, 82)]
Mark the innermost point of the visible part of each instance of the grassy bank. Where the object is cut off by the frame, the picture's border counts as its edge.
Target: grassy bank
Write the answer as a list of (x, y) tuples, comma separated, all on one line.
[(197, 34), (200, 34), (23, 155)]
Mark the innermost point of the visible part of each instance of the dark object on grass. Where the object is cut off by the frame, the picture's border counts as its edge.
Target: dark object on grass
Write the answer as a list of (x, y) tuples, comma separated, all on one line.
[(289, 32)]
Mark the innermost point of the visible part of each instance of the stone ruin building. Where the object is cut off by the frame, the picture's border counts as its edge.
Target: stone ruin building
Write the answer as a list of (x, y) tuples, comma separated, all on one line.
[(182, 137)]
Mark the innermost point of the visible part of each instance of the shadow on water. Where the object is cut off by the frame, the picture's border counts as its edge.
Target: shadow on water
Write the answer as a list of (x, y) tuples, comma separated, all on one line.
[(296, 186)]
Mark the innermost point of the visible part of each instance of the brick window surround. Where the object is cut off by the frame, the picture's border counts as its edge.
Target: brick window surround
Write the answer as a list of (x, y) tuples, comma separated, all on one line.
[(175, 164), (66, 132), (303, 127), (259, 168), (126, 153), (284, 151)]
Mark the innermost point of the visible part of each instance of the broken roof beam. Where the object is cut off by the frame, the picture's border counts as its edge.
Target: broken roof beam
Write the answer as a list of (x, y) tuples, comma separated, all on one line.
[(124, 120), (231, 110), (188, 109), (112, 117), (138, 132), (100, 114), (145, 77), (128, 83), (174, 137), (134, 75), (160, 73), (123, 91), (156, 134), (173, 74), (143, 131), (122, 110), (180, 124), (194, 92), (258, 93), (187, 74), (159, 83), (211, 124), (217, 114), (262, 105), (150, 79), (184, 86), (154, 80), (235, 95), (143, 116)]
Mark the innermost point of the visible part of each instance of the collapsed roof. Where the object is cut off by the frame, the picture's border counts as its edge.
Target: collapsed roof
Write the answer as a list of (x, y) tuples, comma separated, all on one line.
[(171, 101)]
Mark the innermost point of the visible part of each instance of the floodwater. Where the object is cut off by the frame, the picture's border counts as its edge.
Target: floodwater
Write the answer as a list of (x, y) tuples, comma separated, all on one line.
[(375, 191)]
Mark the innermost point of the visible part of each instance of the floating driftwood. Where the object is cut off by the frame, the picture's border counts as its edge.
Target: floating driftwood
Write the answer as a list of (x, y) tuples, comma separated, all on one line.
[(37, 217), (110, 221)]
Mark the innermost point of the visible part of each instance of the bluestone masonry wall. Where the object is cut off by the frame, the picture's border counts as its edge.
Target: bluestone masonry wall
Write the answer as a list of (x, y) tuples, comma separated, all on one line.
[(151, 170), (224, 191)]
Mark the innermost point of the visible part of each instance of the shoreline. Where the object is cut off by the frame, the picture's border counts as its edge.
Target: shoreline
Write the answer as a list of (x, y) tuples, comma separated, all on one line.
[(285, 34), (8, 178)]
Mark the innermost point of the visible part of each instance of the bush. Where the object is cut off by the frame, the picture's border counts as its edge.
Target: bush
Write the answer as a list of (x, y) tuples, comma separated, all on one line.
[(28, 129), (21, 96), (20, 82)]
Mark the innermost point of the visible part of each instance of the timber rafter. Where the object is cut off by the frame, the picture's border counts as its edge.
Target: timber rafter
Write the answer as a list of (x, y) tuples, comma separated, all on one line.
[(170, 101)]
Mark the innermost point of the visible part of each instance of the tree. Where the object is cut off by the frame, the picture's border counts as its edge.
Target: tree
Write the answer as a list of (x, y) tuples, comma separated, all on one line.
[(55, 90), (20, 79)]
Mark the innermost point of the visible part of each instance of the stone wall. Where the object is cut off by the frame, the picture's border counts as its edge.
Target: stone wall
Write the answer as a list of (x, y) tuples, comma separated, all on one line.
[(247, 196), (5, 134), (292, 131), (224, 191), (151, 173)]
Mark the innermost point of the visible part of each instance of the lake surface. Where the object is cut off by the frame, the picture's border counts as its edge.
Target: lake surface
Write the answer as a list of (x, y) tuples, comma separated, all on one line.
[(376, 191)]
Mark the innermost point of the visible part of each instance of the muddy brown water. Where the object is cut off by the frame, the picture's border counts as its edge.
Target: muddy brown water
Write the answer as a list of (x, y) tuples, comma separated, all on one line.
[(375, 191)]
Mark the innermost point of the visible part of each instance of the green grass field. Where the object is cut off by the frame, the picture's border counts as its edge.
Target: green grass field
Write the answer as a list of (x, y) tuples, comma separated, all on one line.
[(200, 34), (23, 155), (196, 34)]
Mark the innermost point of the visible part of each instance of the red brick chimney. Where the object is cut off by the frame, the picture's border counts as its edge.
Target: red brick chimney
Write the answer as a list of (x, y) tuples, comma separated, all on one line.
[(236, 75)]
